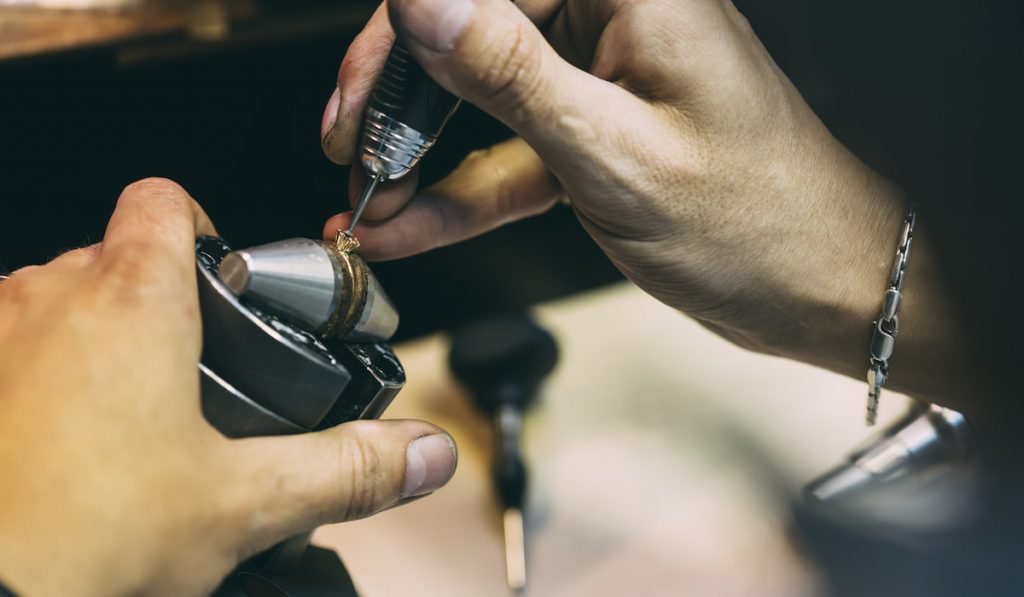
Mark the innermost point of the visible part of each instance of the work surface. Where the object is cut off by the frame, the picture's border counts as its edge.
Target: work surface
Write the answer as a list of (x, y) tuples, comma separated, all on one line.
[(141, 30), (662, 462)]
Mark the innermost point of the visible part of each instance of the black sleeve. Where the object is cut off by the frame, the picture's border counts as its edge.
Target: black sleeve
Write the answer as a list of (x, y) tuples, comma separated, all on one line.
[(5, 592)]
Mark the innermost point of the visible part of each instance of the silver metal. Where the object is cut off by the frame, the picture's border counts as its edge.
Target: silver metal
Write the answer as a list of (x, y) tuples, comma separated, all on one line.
[(236, 415), (887, 325), (893, 298), (283, 369), (3, 277), (306, 282), (379, 319), (364, 200), (294, 278), (883, 342), (928, 438), (389, 148)]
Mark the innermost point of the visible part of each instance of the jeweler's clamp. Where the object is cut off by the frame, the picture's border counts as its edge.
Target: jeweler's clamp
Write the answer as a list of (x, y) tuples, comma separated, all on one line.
[(264, 376)]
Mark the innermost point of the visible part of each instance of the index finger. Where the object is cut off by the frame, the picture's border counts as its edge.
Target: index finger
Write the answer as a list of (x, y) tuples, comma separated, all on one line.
[(157, 221), (357, 75)]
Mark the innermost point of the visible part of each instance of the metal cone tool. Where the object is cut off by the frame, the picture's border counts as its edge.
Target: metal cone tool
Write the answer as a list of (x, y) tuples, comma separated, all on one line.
[(315, 285)]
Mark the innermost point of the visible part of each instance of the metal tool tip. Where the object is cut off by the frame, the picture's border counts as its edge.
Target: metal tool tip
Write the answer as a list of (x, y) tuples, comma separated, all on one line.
[(364, 200)]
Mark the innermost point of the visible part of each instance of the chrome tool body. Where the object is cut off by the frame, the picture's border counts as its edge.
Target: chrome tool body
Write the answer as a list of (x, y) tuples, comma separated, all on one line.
[(406, 113)]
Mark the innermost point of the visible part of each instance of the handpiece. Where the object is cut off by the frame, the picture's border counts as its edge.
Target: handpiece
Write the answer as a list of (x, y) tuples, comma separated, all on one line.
[(405, 115)]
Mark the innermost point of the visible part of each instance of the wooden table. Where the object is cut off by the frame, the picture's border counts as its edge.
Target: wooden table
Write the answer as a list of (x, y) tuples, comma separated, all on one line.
[(157, 28), (663, 459)]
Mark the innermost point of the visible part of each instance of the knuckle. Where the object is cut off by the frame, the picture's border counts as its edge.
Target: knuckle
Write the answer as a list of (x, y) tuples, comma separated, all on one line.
[(510, 75), (18, 289), (132, 275), (164, 194), (156, 186)]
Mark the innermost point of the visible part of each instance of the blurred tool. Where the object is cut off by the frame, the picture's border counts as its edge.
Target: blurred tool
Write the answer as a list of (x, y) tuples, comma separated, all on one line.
[(928, 438), (502, 362), (314, 285), (406, 113), (911, 513)]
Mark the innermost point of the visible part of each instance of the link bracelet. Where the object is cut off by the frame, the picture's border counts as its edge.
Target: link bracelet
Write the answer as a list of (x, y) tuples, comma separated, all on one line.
[(887, 326)]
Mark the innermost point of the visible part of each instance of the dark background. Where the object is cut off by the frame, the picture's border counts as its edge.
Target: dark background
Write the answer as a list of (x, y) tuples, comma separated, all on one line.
[(929, 93)]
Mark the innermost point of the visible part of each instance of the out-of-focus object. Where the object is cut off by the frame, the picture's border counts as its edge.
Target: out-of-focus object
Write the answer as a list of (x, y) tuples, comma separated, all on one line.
[(72, 4), (137, 32), (208, 20), (913, 512), (919, 446), (314, 285), (502, 362)]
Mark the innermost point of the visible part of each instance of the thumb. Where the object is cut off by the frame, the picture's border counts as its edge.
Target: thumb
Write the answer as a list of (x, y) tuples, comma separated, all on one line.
[(293, 484), (490, 54)]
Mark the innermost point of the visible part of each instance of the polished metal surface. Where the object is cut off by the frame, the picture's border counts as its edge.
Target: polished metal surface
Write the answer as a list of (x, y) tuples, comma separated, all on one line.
[(234, 414), (379, 319), (276, 365), (296, 279), (887, 325), (917, 445), (364, 200), (313, 285), (391, 149)]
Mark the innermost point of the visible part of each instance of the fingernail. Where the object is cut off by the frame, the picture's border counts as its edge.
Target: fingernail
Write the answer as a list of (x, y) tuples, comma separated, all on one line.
[(330, 113), (429, 464), (436, 24)]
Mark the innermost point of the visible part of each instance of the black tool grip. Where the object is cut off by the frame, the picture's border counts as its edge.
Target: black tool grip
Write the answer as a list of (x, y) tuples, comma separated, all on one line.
[(406, 93)]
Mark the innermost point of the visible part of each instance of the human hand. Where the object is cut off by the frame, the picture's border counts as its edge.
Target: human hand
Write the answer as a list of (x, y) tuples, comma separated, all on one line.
[(113, 483), (687, 155)]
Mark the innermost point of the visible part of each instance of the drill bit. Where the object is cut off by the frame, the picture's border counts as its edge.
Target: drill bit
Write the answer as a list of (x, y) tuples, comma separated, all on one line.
[(364, 200), (515, 549)]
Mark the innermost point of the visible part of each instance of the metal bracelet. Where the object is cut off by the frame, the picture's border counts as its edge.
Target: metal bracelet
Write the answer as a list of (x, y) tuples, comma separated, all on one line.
[(887, 326)]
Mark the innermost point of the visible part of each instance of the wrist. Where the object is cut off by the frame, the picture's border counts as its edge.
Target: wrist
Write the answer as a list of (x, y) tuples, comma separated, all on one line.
[(842, 293)]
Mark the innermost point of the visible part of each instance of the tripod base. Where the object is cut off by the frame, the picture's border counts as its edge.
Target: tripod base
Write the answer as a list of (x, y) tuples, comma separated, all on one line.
[(319, 573)]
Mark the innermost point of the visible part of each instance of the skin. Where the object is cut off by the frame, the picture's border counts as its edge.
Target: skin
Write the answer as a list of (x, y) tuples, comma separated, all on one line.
[(113, 483), (688, 156)]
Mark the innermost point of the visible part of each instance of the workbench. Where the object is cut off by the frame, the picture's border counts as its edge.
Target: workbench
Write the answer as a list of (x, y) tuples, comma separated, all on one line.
[(161, 29)]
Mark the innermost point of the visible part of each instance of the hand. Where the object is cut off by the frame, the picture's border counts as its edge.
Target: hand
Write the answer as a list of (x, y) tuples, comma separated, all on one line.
[(113, 483), (687, 155)]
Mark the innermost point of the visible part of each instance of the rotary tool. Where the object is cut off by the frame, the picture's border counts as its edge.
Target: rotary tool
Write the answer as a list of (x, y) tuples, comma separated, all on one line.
[(406, 113)]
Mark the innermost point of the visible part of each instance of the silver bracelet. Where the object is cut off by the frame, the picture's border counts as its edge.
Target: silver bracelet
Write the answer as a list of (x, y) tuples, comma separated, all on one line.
[(887, 326)]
